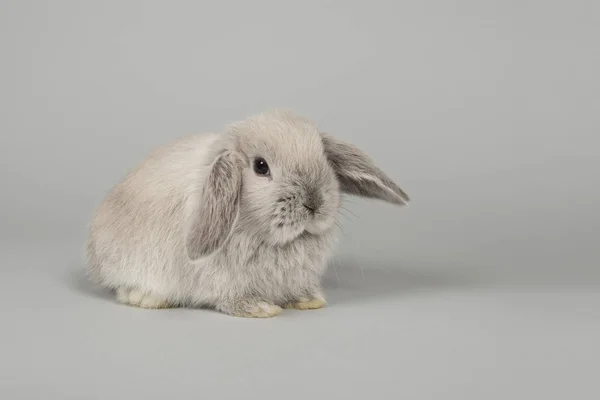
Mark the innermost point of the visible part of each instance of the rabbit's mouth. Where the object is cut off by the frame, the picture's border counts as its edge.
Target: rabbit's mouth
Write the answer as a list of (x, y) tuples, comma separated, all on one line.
[(287, 232)]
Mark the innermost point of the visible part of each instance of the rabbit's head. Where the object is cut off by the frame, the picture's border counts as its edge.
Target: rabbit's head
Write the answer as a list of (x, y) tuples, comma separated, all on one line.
[(276, 177)]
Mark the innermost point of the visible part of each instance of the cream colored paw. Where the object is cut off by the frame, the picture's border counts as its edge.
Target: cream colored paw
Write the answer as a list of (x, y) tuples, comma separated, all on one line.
[(258, 310), (312, 304), (137, 298)]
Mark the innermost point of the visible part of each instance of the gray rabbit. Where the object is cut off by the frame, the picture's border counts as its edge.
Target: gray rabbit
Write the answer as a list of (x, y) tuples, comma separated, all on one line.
[(241, 221)]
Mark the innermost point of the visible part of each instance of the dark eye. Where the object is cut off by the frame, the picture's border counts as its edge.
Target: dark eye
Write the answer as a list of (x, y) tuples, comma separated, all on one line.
[(261, 167)]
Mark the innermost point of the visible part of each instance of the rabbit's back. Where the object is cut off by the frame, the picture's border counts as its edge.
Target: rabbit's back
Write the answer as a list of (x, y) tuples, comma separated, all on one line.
[(136, 237)]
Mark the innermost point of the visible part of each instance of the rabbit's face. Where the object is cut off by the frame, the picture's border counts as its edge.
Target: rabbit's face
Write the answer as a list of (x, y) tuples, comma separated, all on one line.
[(289, 187), (276, 177)]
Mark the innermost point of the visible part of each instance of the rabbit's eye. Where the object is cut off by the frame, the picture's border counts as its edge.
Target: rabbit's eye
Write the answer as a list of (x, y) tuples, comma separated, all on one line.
[(261, 167)]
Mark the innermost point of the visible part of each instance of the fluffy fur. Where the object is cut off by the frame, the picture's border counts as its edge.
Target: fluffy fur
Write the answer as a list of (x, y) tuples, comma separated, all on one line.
[(194, 225)]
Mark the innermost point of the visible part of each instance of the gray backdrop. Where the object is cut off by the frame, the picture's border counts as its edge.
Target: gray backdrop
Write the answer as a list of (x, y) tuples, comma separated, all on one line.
[(485, 112)]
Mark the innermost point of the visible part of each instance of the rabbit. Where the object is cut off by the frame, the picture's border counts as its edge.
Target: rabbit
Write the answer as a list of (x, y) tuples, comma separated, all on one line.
[(240, 221)]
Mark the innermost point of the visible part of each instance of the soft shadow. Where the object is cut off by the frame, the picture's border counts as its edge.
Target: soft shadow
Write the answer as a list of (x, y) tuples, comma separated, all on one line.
[(350, 280), (79, 281), (344, 281), (347, 280)]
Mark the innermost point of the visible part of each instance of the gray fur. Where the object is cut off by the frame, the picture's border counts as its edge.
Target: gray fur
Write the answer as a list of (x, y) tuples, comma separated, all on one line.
[(193, 225), (213, 220), (358, 175)]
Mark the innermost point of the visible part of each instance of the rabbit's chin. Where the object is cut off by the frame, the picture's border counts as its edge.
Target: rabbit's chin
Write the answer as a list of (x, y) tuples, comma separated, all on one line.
[(285, 234), (319, 226)]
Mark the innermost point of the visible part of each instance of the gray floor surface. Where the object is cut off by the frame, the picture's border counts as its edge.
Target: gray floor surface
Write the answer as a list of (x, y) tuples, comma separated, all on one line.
[(390, 331)]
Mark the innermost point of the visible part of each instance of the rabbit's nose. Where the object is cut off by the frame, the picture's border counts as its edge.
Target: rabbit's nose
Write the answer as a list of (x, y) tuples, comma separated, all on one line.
[(309, 207), (312, 201)]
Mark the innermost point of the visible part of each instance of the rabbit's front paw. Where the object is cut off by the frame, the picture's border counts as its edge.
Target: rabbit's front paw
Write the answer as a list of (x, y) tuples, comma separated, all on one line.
[(137, 298), (307, 304), (248, 309)]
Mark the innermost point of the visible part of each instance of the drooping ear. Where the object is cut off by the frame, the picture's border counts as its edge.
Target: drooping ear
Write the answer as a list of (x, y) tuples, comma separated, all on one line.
[(217, 206), (357, 173)]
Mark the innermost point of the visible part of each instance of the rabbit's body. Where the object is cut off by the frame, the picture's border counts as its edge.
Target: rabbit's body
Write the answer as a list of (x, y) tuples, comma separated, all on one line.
[(165, 237)]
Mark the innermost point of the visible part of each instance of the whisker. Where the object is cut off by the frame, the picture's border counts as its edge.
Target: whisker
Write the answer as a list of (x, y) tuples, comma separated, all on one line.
[(344, 215), (348, 210), (339, 226), (348, 200)]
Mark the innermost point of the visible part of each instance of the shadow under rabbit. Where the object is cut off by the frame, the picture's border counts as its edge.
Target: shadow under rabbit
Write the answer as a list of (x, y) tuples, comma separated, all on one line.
[(360, 280), (343, 281), (80, 282), (347, 281)]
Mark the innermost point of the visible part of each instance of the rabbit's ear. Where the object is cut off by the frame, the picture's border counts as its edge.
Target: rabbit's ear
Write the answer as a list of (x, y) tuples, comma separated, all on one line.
[(357, 173), (217, 207)]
